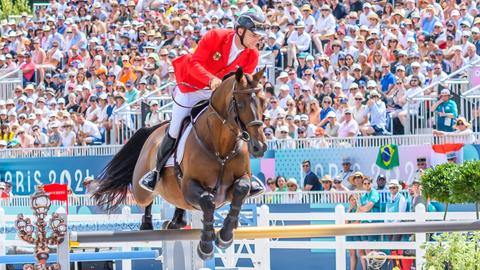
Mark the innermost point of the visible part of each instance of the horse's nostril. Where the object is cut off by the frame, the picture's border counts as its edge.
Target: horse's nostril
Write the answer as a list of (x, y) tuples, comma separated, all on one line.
[(255, 149)]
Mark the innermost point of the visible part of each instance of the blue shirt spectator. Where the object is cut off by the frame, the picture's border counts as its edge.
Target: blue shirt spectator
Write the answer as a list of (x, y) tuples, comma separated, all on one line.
[(446, 112), (311, 181)]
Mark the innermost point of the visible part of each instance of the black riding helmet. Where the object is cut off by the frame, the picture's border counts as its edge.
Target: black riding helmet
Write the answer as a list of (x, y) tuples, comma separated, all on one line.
[(250, 21)]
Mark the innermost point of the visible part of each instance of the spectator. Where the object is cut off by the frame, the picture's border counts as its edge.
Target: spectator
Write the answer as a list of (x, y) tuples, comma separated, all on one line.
[(281, 184), (55, 138), (332, 126), (377, 110), (452, 157), (327, 183), (68, 136), (292, 187), (396, 204), (353, 205), (310, 182), (154, 116), (338, 185), (381, 183), (349, 127), (346, 172), (446, 112), (271, 184), (88, 132), (462, 134), (298, 41), (356, 181)]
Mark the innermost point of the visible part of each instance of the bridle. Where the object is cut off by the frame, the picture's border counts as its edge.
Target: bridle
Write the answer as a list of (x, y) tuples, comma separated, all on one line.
[(234, 107)]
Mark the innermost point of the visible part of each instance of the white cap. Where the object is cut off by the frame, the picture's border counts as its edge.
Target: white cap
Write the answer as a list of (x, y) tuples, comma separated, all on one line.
[(61, 101), (372, 83), (283, 74), (284, 129), (284, 87), (331, 114), (153, 102), (3, 143)]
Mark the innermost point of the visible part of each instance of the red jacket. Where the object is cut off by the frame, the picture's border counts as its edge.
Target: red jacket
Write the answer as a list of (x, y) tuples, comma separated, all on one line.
[(210, 60)]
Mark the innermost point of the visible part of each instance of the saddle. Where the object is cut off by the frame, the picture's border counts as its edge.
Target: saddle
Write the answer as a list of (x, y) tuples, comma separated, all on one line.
[(197, 109)]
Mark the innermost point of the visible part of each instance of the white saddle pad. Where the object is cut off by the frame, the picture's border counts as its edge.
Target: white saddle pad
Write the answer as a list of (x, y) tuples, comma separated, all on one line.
[(181, 144)]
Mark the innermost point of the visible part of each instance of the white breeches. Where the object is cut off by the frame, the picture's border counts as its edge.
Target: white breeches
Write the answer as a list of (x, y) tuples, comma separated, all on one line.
[(187, 100)]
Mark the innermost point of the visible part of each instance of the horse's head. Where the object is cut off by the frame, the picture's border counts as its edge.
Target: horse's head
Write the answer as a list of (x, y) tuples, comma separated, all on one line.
[(245, 104)]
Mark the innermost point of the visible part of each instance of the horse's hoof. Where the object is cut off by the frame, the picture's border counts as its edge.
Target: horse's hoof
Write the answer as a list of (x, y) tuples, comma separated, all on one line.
[(205, 254), (222, 244), (170, 225)]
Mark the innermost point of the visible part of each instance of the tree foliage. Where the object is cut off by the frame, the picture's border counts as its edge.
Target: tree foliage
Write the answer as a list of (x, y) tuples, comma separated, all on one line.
[(437, 182), (8, 8), (453, 251)]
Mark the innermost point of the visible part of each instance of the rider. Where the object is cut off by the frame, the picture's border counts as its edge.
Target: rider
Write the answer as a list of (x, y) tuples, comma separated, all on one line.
[(218, 53)]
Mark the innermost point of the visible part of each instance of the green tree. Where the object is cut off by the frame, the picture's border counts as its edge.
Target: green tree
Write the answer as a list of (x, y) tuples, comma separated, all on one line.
[(437, 183), (453, 251), (8, 7), (467, 188)]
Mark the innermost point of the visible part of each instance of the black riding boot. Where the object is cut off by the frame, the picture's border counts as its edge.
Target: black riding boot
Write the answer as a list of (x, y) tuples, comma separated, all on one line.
[(149, 180)]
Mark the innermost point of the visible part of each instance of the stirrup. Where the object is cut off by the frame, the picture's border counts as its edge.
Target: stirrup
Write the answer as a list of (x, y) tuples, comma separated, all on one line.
[(149, 180)]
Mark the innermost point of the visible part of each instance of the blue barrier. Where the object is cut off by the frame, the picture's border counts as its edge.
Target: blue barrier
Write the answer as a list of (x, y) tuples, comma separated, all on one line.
[(86, 257)]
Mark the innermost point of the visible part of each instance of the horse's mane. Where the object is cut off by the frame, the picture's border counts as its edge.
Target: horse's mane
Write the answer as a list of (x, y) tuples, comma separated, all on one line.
[(232, 73)]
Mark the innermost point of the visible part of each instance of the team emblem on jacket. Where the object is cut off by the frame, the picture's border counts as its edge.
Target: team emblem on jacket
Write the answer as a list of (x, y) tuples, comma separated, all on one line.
[(216, 56)]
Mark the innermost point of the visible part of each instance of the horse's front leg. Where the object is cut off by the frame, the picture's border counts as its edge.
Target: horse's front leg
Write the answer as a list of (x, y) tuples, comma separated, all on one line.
[(196, 195), (240, 190), (205, 248)]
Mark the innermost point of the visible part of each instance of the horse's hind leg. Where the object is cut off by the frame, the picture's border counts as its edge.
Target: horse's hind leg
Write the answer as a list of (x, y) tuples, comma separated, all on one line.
[(178, 221), (224, 238), (147, 223)]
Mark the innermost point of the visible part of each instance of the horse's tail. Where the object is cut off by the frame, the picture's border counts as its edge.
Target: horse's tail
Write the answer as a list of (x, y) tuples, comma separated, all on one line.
[(115, 178)]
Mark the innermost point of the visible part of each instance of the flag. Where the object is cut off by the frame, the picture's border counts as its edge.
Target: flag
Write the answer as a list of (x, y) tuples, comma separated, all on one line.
[(447, 147), (4, 195), (58, 192), (388, 157)]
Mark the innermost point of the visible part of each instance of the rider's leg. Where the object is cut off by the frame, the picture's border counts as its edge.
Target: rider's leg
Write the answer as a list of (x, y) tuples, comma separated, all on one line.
[(179, 113)]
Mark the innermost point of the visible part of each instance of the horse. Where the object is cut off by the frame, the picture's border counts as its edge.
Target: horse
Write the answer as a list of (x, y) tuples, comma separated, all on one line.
[(215, 168)]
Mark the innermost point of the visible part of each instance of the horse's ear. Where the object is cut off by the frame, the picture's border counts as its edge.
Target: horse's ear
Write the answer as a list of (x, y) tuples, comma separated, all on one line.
[(257, 76), (239, 74)]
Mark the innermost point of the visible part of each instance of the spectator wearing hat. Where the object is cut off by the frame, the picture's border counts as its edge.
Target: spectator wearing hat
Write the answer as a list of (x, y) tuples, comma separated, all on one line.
[(377, 109), (269, 134), (324, 28), (332, 126), (25, 139), (67, 135), (310, 182), (275, 109), (348, 127), (28, 69), (40, 138), (54, 138), (327, 183), (284, 97), (396, 204), (446, 112), (297, 42), (326, 108), (451, 157), (154, 116), (274, 47), (463, 132), (292, 186), (346, 173)]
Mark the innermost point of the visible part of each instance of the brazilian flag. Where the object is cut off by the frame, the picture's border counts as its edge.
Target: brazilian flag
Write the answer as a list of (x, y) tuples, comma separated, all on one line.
[(388, 157)]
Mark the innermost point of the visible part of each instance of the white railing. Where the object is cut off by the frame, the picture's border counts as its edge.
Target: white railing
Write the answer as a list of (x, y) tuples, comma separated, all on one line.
[(309, 143), (8, 82), (421, 121), (76, 151), (129, 118), (304, 197)]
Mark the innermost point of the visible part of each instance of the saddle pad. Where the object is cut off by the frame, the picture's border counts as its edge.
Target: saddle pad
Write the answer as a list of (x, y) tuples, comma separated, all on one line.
[(183, 140)]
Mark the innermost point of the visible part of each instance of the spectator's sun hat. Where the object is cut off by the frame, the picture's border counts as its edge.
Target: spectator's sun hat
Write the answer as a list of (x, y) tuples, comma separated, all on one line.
[(284, 87), (374, 93), (303, 117), (331, 114), (445, 92), (346, 160), (353, 176), (292, 181), (153, 102), (326, 178), (268, 131), (284, 129), (394, 183), (3, 143), (461, 120)]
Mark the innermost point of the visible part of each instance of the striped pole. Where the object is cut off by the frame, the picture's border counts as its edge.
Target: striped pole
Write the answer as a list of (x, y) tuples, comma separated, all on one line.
[(290, 231)]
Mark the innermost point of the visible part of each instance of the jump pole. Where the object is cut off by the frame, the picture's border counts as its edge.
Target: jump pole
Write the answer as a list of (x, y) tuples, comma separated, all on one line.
[(290, 231)]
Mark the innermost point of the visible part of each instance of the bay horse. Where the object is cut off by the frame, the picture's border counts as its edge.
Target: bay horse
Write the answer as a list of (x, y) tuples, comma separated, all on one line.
[(215, 164)]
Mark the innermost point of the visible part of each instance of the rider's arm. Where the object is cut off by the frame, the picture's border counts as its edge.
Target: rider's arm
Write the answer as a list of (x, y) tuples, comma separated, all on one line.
[(200, 58)]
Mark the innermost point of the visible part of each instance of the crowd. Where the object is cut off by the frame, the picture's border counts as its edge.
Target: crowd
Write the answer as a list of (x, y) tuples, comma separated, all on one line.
[(371, 196), (343, 69)]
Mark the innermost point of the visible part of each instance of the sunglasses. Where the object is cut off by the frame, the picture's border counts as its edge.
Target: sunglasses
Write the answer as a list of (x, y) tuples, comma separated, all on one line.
[(459, 123), (359, 99), (367, 183), (393, 188), (337, 182), (271, 183), (327, 102)]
